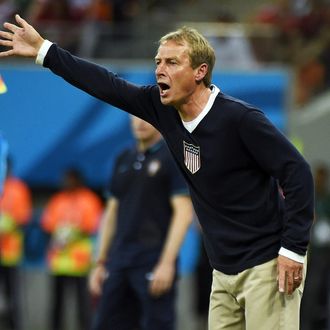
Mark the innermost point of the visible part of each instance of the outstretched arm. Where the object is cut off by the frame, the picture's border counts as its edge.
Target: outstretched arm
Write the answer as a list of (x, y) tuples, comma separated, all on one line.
[(21, 39)]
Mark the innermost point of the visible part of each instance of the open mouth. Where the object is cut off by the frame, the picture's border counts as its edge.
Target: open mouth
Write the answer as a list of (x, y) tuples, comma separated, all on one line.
[(163, 88)]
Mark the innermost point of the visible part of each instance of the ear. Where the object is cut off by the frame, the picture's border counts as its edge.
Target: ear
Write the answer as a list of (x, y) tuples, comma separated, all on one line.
[(201, 72)]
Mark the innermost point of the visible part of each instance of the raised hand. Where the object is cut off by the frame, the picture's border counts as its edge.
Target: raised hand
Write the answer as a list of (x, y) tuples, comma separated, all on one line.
[(21, 39)]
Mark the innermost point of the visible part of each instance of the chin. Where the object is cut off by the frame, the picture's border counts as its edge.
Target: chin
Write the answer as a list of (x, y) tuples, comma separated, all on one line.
[(165, 101)]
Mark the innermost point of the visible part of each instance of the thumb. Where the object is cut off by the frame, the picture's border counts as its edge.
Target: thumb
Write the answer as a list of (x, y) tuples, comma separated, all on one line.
[(23, 23)]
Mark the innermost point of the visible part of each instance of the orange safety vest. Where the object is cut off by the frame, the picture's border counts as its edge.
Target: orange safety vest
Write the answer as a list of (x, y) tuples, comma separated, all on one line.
[(71, 217), (15, 211)]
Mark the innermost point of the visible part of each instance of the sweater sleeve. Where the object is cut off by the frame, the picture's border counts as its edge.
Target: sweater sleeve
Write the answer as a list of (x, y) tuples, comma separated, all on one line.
[(101, 83), (279, 158)]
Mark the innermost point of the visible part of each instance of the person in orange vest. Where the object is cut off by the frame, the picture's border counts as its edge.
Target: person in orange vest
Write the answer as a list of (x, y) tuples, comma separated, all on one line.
[(71, 217), (15, 212)]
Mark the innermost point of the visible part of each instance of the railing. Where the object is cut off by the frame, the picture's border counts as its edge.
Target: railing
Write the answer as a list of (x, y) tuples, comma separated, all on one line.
[(138, 40)]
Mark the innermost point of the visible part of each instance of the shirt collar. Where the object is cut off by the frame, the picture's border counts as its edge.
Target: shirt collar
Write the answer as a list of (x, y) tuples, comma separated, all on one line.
[(191, 125)]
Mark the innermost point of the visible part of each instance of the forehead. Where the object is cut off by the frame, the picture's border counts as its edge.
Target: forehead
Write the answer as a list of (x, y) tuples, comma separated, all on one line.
[(171, 48)]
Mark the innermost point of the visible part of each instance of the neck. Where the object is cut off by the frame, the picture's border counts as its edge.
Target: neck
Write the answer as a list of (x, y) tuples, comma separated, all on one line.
[(195, 104)]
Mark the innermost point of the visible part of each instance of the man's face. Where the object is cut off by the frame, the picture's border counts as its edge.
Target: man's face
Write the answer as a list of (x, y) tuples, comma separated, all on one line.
[(142, 130), (175, 76)]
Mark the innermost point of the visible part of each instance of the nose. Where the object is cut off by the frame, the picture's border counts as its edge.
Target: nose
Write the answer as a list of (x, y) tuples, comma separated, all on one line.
[(159, 69)]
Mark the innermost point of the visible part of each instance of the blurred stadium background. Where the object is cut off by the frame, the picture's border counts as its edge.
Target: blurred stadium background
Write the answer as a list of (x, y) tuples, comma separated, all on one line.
[(273, 54)]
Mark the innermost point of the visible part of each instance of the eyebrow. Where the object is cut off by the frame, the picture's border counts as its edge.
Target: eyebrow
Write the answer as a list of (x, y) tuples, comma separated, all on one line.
[(167, 58)]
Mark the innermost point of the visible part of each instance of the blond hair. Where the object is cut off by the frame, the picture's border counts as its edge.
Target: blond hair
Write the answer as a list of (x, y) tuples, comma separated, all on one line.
[(200, 50)]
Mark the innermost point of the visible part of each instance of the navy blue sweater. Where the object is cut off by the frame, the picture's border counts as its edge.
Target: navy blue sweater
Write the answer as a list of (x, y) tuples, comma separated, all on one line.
[(241, 159)]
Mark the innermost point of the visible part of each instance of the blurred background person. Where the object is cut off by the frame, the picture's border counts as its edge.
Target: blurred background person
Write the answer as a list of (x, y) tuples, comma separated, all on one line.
[(315, 307), (145, 222), (15, 212), (232, 46), (71, 218)]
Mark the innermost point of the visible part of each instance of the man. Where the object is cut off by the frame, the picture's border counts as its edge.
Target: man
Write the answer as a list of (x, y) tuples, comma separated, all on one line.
[(71, 218), (234, 161), (146, 220), (316, 302)]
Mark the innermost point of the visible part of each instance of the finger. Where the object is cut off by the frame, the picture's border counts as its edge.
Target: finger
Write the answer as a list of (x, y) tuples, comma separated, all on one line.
[(97, 289), (156, 288), (92, 288), (152, 288), (166, 287), (7, 53), (289, 283), (6, 43), (6, 35), (297, 276), (20, 21), (301, 272), (11, 27), (296, 285), (281, 281), (97, 286)]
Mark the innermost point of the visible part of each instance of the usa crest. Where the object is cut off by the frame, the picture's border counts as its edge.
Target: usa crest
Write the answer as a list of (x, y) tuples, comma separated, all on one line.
[(192, 158)]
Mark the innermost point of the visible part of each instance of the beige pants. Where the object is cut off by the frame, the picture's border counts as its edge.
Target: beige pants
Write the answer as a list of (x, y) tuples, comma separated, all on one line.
[(250, 300)]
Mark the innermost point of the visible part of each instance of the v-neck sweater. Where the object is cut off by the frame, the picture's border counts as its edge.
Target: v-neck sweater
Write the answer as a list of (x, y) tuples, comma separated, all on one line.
[(251, 189)]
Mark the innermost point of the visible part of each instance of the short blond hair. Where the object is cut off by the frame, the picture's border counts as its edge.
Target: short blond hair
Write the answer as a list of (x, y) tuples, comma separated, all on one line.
[(200, 50)]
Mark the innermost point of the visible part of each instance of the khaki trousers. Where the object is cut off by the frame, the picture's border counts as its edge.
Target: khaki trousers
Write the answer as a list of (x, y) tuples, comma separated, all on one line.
[(250, 300)]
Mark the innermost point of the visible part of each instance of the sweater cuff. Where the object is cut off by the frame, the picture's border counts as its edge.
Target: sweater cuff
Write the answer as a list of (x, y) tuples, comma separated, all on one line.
[(291, 255), (43, 52)]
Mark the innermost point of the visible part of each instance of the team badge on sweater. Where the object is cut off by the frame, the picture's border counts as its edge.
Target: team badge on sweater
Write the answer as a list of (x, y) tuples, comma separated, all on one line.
[(192, 158)]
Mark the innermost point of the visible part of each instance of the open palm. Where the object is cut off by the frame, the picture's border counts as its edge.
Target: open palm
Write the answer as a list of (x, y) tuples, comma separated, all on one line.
[(21, 39)]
